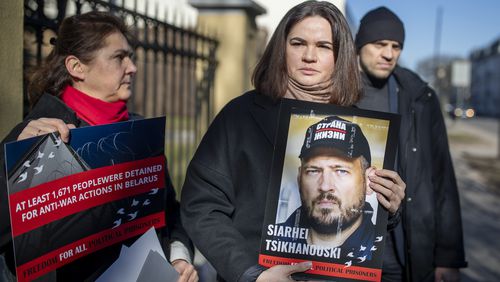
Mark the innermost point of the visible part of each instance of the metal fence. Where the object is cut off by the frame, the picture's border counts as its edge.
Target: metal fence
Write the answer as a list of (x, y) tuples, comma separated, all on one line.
[(176, 68)]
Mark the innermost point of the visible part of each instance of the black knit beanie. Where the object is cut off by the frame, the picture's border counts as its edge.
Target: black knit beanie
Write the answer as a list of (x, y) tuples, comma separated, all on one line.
[(380, 24)]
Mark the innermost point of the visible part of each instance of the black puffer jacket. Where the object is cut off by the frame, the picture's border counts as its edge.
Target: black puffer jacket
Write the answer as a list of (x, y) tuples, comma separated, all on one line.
[(432, 221)]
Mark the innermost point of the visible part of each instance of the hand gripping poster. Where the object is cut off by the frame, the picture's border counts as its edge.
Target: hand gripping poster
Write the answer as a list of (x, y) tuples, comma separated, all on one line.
[(68, 201), (320, 206)]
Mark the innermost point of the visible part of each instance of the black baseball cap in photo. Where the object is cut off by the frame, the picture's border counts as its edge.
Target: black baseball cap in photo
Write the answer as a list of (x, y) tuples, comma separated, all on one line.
[(337, 133)]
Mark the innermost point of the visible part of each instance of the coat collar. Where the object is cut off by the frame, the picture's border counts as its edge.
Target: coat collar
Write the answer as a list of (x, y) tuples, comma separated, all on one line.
[(410, 83), (53, 107), (265, 112)]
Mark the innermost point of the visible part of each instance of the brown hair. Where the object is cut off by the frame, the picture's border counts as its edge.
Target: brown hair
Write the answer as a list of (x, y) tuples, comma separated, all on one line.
[(80, 36), (270, 76)]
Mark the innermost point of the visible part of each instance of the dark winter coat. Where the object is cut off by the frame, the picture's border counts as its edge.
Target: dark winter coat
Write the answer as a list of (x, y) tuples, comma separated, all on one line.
[(431, 218)]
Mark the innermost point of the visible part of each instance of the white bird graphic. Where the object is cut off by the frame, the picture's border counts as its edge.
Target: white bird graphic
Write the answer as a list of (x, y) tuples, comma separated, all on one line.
[(132, 215), (362, 259), (348, 263), (57, 142), (52, 155), (362, 248), (134, 203), (40, 155), (373, 248), (351, 255), (38, 169), (22, 177), (146, 202), (26, 164), (378, 238), (117, 223), (121, 211), (153, 191)]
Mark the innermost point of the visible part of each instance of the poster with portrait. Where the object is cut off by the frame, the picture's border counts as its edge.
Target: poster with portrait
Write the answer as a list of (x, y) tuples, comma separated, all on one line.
[(69, 200), (320, 206)]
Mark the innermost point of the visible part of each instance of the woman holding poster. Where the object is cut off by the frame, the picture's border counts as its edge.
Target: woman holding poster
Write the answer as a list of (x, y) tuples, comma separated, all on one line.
[(310, 57), (85, 81)]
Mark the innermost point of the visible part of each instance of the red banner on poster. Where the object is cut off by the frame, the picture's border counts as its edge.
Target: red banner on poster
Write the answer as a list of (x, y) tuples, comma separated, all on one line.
[(327, 269), (45, 203), (56, 258)]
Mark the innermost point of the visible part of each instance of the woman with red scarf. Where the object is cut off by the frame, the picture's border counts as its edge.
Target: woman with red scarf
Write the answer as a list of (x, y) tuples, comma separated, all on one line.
[(86, 81)]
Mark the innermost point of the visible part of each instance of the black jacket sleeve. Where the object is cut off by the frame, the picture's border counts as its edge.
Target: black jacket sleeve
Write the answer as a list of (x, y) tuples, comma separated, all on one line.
[(208, 205), (449, 251)]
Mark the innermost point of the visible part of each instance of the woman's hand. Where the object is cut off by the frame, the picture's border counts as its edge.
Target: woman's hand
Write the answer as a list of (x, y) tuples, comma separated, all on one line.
[(447, 274), (282, 273), (390, 188), (42, 126), (186, 270)]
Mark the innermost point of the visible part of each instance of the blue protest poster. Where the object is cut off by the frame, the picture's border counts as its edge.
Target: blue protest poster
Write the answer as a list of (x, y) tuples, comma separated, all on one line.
[(68, 200)]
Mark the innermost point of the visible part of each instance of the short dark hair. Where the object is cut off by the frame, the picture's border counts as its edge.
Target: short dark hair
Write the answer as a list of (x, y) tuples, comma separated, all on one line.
[(270, 76), (80, 36)]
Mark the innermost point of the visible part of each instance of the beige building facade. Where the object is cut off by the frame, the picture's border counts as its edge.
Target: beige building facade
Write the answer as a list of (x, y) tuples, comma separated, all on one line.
[(11, 60), (240, 43)]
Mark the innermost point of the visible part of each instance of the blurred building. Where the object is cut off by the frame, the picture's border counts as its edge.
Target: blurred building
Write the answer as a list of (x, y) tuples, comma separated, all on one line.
[(460, 78), (485, 81), (451, 78), (241, 43), (277, 9), (428, 70)]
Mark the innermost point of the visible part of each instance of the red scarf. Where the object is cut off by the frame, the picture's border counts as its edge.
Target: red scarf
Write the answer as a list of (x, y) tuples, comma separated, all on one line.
[(92, 110)]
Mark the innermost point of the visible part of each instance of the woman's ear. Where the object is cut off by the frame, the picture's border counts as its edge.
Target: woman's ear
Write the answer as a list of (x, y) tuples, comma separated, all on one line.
[(75, 67), (369, 172)]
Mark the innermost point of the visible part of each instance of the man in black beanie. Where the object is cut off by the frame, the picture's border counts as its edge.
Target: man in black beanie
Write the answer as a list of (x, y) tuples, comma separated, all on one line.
[(428, 243)]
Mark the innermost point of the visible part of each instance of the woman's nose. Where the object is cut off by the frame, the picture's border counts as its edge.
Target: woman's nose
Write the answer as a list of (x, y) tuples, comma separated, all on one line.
[(309, 55)]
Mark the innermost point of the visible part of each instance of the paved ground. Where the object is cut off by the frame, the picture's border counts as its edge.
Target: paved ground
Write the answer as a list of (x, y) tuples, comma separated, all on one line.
[(474, 147)]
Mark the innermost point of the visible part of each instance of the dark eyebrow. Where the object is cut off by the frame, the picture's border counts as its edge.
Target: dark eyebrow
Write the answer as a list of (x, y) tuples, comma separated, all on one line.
[(341, 165), (298, 39), (303, 41), (325, 42), (312, 166), (126, 52), (384, 43)]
